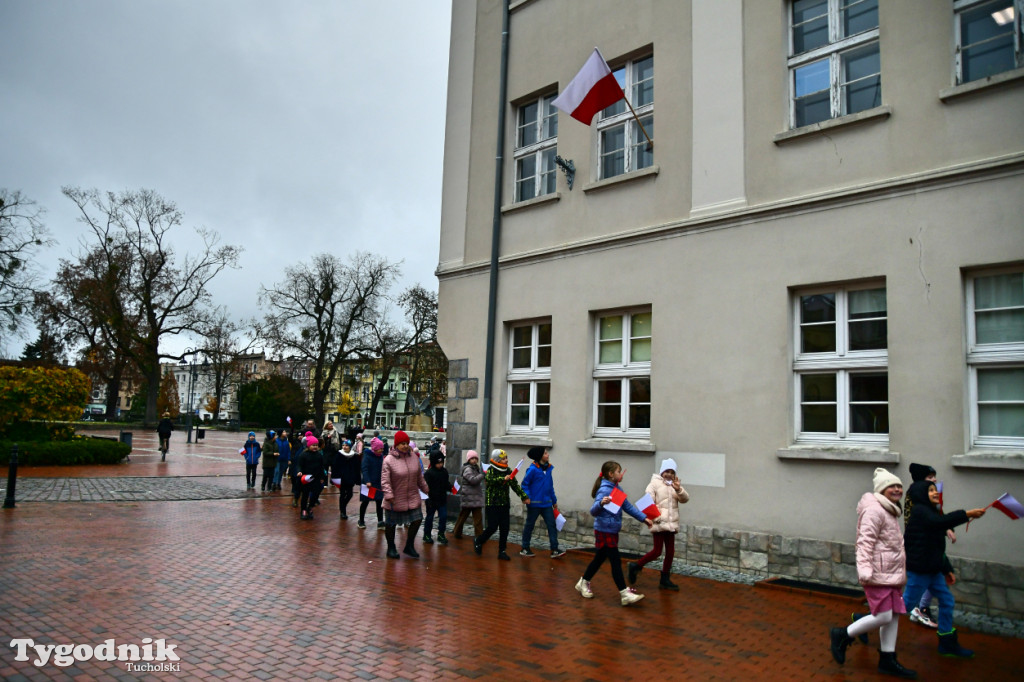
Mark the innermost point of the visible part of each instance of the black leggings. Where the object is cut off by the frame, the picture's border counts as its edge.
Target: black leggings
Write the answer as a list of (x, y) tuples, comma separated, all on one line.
[(380, 510), (344, 498), (250, 475), (497, 520), (268, 480), (612, 555)]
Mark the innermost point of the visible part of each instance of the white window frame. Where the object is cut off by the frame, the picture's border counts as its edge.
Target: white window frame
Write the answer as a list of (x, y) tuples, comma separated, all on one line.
[(635, 143), (544, 179), (960, 7), (834, 50), (533, 375), (624, 370), (843, 362), (982, 356)]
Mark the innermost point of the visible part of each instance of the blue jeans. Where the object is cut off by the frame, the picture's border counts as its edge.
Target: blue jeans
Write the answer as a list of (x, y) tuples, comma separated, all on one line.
[(917, 583), (549, 520), (279, 472), (442, 519)]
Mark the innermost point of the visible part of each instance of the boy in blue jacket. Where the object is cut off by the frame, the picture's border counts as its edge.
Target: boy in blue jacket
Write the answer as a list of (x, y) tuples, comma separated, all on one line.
[(539, 486), (251, 451)]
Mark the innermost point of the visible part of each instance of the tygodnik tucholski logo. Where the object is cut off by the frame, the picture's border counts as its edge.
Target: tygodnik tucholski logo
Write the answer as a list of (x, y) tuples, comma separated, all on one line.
[(153, 655)]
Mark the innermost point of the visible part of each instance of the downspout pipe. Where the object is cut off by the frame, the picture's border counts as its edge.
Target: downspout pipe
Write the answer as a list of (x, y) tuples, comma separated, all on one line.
[(492, 292)]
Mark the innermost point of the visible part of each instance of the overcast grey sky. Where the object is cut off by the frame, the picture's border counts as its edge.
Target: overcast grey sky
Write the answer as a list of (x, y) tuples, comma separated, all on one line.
[(289, 127)]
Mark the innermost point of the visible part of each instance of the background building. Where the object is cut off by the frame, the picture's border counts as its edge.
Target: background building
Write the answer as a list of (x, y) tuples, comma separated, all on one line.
[(818, 269)]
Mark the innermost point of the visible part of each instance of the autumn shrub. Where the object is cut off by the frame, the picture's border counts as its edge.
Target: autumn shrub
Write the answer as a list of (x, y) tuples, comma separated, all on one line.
[(33, 397), (78, 450)]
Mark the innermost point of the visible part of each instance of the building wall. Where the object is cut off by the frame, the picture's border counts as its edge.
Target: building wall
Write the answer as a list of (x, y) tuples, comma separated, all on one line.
[(916, 196)]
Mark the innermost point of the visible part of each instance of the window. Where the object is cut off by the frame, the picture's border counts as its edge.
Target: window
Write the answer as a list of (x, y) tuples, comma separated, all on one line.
[(529, 378), (988, 38), (995, 358), (622, 146), (834, 63), (841, 366), (536, 140), (622, 374)]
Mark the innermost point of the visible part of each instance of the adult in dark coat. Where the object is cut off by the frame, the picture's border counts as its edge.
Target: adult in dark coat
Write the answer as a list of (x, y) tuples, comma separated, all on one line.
[(345, 471), (163, 430)]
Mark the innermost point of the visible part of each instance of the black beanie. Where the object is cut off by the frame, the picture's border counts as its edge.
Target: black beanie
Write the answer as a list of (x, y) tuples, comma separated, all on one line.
[(919, 472), (535, 453)]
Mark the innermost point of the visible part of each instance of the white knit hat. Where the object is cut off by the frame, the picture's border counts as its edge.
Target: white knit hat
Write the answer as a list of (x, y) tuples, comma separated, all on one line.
[(884, 478), (498, 454), (666, 464)]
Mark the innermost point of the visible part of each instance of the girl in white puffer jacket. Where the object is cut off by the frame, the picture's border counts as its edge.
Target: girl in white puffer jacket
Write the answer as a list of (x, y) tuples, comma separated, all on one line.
[(668, 494)]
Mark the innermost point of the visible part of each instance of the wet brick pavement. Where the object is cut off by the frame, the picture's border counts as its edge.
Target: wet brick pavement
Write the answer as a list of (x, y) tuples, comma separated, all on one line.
[(245, 590)]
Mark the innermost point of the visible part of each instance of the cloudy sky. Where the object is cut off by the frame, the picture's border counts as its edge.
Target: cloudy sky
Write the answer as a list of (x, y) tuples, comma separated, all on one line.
[(289, 127)]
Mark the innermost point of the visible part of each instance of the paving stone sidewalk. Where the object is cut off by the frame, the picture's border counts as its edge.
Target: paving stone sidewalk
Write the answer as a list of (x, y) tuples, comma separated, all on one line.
[(123, 489)]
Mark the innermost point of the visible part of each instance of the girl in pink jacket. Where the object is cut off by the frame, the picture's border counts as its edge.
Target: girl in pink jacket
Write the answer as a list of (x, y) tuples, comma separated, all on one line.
[(882, 571)]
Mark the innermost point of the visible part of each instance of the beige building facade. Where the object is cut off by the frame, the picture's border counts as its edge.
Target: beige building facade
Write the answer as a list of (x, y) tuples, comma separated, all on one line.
[(816, 270)]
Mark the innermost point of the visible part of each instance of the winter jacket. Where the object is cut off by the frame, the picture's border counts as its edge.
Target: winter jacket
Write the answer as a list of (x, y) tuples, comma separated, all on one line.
[(439, 485), (270, 453), (925, 536), (539, 486), (370, 471), (668, 501), (252, 451), (401, 480), (472, 490), (311, 462), (606, 521), (284, 450), (331, 440), (345, 465), (496, 494), (881, 559), (164, 428)]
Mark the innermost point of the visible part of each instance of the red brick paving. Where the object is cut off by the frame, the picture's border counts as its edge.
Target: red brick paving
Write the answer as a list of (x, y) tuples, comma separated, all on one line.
[(246, 590)]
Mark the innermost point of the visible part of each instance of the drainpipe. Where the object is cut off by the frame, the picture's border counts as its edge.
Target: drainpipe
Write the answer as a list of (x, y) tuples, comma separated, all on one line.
[(492, 294)]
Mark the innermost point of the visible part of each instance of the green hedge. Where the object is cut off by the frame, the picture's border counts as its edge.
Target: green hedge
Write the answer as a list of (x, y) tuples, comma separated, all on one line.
[(66, 453)]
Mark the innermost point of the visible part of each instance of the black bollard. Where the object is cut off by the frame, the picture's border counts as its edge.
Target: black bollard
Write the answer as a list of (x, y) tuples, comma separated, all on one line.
[(12, 477)]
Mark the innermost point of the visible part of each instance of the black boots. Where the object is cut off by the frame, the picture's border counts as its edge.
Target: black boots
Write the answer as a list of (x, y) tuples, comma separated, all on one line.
[(632, 571), (666, 582), (840, 641), (888, 664), (949, 646), (410, 539), (389, 535)]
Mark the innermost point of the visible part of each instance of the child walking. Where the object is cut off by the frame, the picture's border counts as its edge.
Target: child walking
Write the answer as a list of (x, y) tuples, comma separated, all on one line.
[(251, 451), (668, 494), (606, 533), (499, 479), (471, 494), (439, 486), (284, 456), (269, 461)]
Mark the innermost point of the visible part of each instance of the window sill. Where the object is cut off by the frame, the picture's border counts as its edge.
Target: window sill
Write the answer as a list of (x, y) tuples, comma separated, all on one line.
[(649, 172), (964, 89), (530, 203), (870, 115), (523, 439), (990, 459), (840, 453), (620, 444)]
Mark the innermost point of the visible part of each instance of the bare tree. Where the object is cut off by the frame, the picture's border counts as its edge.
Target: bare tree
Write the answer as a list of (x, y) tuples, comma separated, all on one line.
[(154, 296), (223, 346), (321, 310), (22, 233)]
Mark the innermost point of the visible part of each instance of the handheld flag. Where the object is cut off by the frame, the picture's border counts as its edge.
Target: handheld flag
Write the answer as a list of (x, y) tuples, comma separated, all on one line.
[(559, 520), (289, 421), (1009, 506), (307, 478), (424, 496), (516, 470), (336, 482), (618, 497), (590, 90), (368, 491), (241, 451), (456, 488), (485, 466), (647, 505), (938, 488)]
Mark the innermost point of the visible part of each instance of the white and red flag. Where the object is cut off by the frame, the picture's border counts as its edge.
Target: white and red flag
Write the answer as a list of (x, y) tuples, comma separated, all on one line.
[(241, 451), (516, 470), (336, 482), (559, 520), (938, 489), (1009, 506), (647, 505), (618, 497), (307, 478), (289, 421), (456, 488), (590, 91), (368, 491)]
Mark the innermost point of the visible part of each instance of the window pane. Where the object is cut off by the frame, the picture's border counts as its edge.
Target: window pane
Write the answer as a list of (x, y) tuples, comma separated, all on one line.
[(818, 338), (519, 415), (978, 24), (643, 75), (522, 336), (520, 394), (549, 128), (1000, 327), (640, 350), (609, 416), (869, 419), (642, 156), (543, 392), (609, 391), (640, 345), (640, 390), (527, 124), (544, 334), (639, 416), (999, 291), (986, 46), (611, 351), (988, 59), (818, 308), (867, 303), (819, 418), (859, 16), (544, 356), (548, 174), (862, 87), (526, 183), (818, 388), (1001, 385), (810, 24), (543, 415), (613, 154), (611, 327), (812, 78), (872, 387), (521, 358)]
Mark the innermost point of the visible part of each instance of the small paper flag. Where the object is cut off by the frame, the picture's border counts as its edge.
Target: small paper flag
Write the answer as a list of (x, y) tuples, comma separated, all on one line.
[(647, 505), (368, 491), (1009, 506), (307, 478), (516, 470), (336, 482), (618, 497), (241, 451), (559, 519), (456, 488), (423, 495)]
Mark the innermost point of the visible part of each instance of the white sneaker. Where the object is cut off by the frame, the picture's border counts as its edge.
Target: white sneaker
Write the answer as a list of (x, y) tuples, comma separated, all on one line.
[(583, 587), (916, 616), (630, 596)]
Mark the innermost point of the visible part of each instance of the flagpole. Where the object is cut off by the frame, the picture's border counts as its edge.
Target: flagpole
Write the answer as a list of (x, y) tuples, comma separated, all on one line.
[(650, 143)]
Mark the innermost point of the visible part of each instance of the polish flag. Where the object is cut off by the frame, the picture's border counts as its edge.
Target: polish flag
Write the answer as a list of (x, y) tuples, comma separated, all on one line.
[(368, 491), (307, 478), (559, 520), (938, 488), (647, 505), (485, 466), (591, 90), (336, 482), (516, 470), (456, 488), (289, 421), (241, 451), (1009, 506), (424, 496), (618, 497)]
